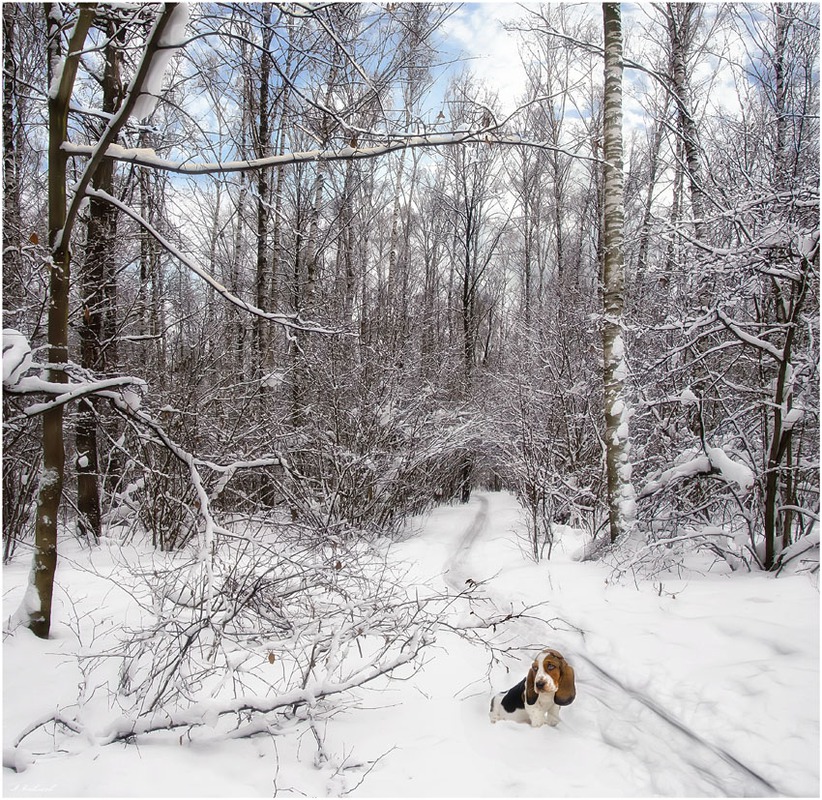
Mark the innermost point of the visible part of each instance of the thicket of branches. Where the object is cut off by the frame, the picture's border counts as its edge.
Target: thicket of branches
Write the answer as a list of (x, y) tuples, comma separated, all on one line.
[(440, 278), (313, 285)]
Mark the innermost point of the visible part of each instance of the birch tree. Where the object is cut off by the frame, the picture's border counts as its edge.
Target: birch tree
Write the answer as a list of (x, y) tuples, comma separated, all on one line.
[(617, 414), (682, 20)]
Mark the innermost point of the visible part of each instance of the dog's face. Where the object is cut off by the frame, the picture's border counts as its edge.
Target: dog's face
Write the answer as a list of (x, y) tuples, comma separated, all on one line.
[(551, 674), (546, 670)]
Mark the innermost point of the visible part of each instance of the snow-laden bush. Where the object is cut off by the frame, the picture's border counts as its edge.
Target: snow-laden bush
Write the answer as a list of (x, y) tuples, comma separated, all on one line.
[(702, 502), (348, 469), (366, 467), (540, 435), (266, 631)]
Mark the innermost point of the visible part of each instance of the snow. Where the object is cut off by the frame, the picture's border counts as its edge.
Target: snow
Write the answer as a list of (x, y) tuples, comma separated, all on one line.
[(17, 361), (715, 459), (809, 244), (700, 684), (170, 41), (618, 348), (687, 397), (147, 158), (274, 379), (793, 417), (133, 399), (16, 357), (733, 471)]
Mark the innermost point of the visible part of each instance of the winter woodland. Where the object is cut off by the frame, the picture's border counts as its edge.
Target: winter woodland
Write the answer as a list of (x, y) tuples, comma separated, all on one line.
[(349, 344)]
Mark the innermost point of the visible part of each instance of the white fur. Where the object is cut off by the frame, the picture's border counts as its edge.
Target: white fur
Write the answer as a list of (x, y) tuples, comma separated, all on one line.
[(498, 712), (545, 711)]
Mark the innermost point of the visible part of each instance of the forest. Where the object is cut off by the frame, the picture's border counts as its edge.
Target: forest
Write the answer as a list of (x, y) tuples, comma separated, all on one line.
[(280, 277)]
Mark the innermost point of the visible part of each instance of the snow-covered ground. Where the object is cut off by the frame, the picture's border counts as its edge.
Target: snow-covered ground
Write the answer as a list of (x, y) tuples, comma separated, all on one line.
[(701, 685)]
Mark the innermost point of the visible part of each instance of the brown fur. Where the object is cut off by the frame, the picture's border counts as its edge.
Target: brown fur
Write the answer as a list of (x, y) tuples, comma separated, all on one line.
[(566, 688), (530, 689)]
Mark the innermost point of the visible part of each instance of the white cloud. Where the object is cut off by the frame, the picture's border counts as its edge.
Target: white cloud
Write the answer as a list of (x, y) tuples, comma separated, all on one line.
[(477, 33)]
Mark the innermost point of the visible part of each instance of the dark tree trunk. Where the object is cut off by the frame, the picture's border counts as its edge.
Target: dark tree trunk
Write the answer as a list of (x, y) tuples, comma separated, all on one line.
[(44, 561), (98, 281)]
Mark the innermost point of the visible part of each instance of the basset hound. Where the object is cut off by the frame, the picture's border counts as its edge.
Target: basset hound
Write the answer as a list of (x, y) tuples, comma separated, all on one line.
[(538, 696)]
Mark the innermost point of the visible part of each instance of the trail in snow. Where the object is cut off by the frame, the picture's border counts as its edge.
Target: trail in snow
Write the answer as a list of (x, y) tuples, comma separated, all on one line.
[(454, 569), (455, 573), (665, 715)]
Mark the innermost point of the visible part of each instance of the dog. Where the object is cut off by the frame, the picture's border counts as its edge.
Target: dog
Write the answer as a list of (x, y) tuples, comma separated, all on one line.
[(538, 697)]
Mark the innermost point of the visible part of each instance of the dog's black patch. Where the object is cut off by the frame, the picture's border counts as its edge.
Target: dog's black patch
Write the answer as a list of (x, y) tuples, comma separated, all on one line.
[(514, 698)]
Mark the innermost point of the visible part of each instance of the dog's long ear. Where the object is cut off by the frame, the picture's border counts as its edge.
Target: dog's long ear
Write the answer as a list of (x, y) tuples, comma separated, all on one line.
[(530, 690), (567, 690)]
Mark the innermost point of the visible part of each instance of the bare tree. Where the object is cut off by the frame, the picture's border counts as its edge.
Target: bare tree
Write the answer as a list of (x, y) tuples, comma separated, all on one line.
[(62, 218)]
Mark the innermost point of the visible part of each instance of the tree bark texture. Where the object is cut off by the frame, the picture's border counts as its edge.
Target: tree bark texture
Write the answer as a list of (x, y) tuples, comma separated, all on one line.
[(44, 561), (97, 279), (681, 23), (617, 440)]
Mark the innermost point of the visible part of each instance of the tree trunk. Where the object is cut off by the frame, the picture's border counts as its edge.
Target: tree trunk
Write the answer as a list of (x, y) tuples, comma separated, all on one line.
[(36, 609), (97, 275), (12, 234), (681, 21), (782, 25), (37, 605), (617, 441), (647, 212), (263, 149)]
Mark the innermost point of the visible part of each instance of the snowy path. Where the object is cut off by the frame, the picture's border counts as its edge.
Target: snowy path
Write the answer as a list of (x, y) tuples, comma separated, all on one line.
[(675, 696), (684, 749), (715, 767), (454, 570)]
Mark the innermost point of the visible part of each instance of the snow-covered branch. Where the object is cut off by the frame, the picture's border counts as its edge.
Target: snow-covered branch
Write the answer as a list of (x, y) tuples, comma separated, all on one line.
[(207, 712), (713, 462), (156, 55), (145, 157), (68, 392), (754, 341)]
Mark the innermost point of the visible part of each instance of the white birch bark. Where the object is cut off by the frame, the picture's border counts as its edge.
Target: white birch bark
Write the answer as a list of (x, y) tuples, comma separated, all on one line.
[(621, 495)]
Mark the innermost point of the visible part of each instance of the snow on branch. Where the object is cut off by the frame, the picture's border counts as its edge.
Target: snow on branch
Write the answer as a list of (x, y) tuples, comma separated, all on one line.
[(289, 321), (169, 41), (16, 358), (145, 157), (17, 361), (168, 21), (131, 390), (206, 712), (735, 328), (713, 462)]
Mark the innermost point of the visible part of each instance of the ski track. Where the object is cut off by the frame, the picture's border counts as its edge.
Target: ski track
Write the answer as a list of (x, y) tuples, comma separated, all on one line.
[(715, 771)]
